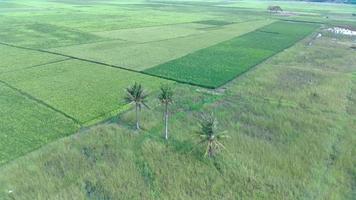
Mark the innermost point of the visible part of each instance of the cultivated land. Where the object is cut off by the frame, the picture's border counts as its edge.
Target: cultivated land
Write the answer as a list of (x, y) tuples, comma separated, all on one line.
[(285, 97), (214, 66)]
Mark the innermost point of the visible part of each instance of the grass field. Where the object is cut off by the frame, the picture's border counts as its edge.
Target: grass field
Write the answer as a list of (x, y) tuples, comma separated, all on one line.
[(214, 66), (294, 147), (285, 96)]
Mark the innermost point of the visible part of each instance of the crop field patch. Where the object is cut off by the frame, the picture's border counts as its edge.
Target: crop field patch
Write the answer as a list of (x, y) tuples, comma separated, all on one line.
[(214, 66), (149, 34), (138, 57), (26, 125), (6, 5), (114, 16), (43, 36), (82, 90), (12, 58)]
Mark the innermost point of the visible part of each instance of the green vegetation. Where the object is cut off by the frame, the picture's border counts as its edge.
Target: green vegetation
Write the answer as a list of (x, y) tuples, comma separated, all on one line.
[(13, 59), (285, 141), (214, 66), (26, 124), (139, 56), (85, 91), (166, 98), (297, 6), (209, 136), (66, 131), (136, 95)]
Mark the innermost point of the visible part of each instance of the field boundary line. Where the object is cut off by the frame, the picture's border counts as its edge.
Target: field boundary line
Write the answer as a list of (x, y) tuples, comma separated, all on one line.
[(301, 21), (72, 57), (41, 102), (173, 24), (203, 33), (84, 43), (150, 26), (34, 66), (108, 65), (160, 76)]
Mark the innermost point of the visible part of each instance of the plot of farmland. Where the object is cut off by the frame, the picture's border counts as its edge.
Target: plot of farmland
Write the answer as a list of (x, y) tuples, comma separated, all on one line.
[(14, 58), (149, 34), (42, 36), (140, 56), (26, 125), (214, 66), (82, 90)]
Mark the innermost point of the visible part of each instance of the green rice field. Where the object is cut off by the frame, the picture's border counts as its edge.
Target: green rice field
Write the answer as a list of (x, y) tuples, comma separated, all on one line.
[(214, 66)]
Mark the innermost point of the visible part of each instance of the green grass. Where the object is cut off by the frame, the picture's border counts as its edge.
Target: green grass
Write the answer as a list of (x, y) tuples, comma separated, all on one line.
[(351, 108), (291, 119), (292, 148), (297, 6), (41, 36), (82, 90), (216, 65), (26, 125)]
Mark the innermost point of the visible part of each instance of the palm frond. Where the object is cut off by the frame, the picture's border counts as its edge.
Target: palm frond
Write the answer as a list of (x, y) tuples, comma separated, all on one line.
[(166, 95), (135, 93), (144, 104), (209, 135)]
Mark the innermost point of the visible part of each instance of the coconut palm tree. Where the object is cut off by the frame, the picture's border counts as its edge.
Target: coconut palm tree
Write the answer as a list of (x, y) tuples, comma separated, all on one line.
[(136, 95), (209, 136), (166, 98)]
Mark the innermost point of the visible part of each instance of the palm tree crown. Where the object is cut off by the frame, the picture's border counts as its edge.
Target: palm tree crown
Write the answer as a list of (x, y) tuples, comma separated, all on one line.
[(166, 95), (209, 136), (136, 95)]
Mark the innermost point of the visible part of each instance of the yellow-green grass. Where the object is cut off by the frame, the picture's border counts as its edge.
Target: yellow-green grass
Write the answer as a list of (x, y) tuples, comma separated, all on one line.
[(40, 35), (351, 107), (276, 150), (82, 90), (214, 66), (145, 55), (27, 125), (12, 58), (104, 16), (296, 6)]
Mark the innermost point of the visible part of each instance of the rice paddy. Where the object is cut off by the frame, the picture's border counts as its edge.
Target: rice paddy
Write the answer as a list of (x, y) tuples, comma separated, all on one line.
[(214, 66)]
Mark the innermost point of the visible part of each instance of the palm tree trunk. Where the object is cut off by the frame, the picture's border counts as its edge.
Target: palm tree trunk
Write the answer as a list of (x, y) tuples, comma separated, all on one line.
[(210, 151), (137, 119), (166, 121)]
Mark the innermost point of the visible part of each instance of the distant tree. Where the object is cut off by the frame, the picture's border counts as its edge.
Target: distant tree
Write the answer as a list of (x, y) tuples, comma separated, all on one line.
[(209, 136), (136, 95), (166, 98), (274, 9)]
